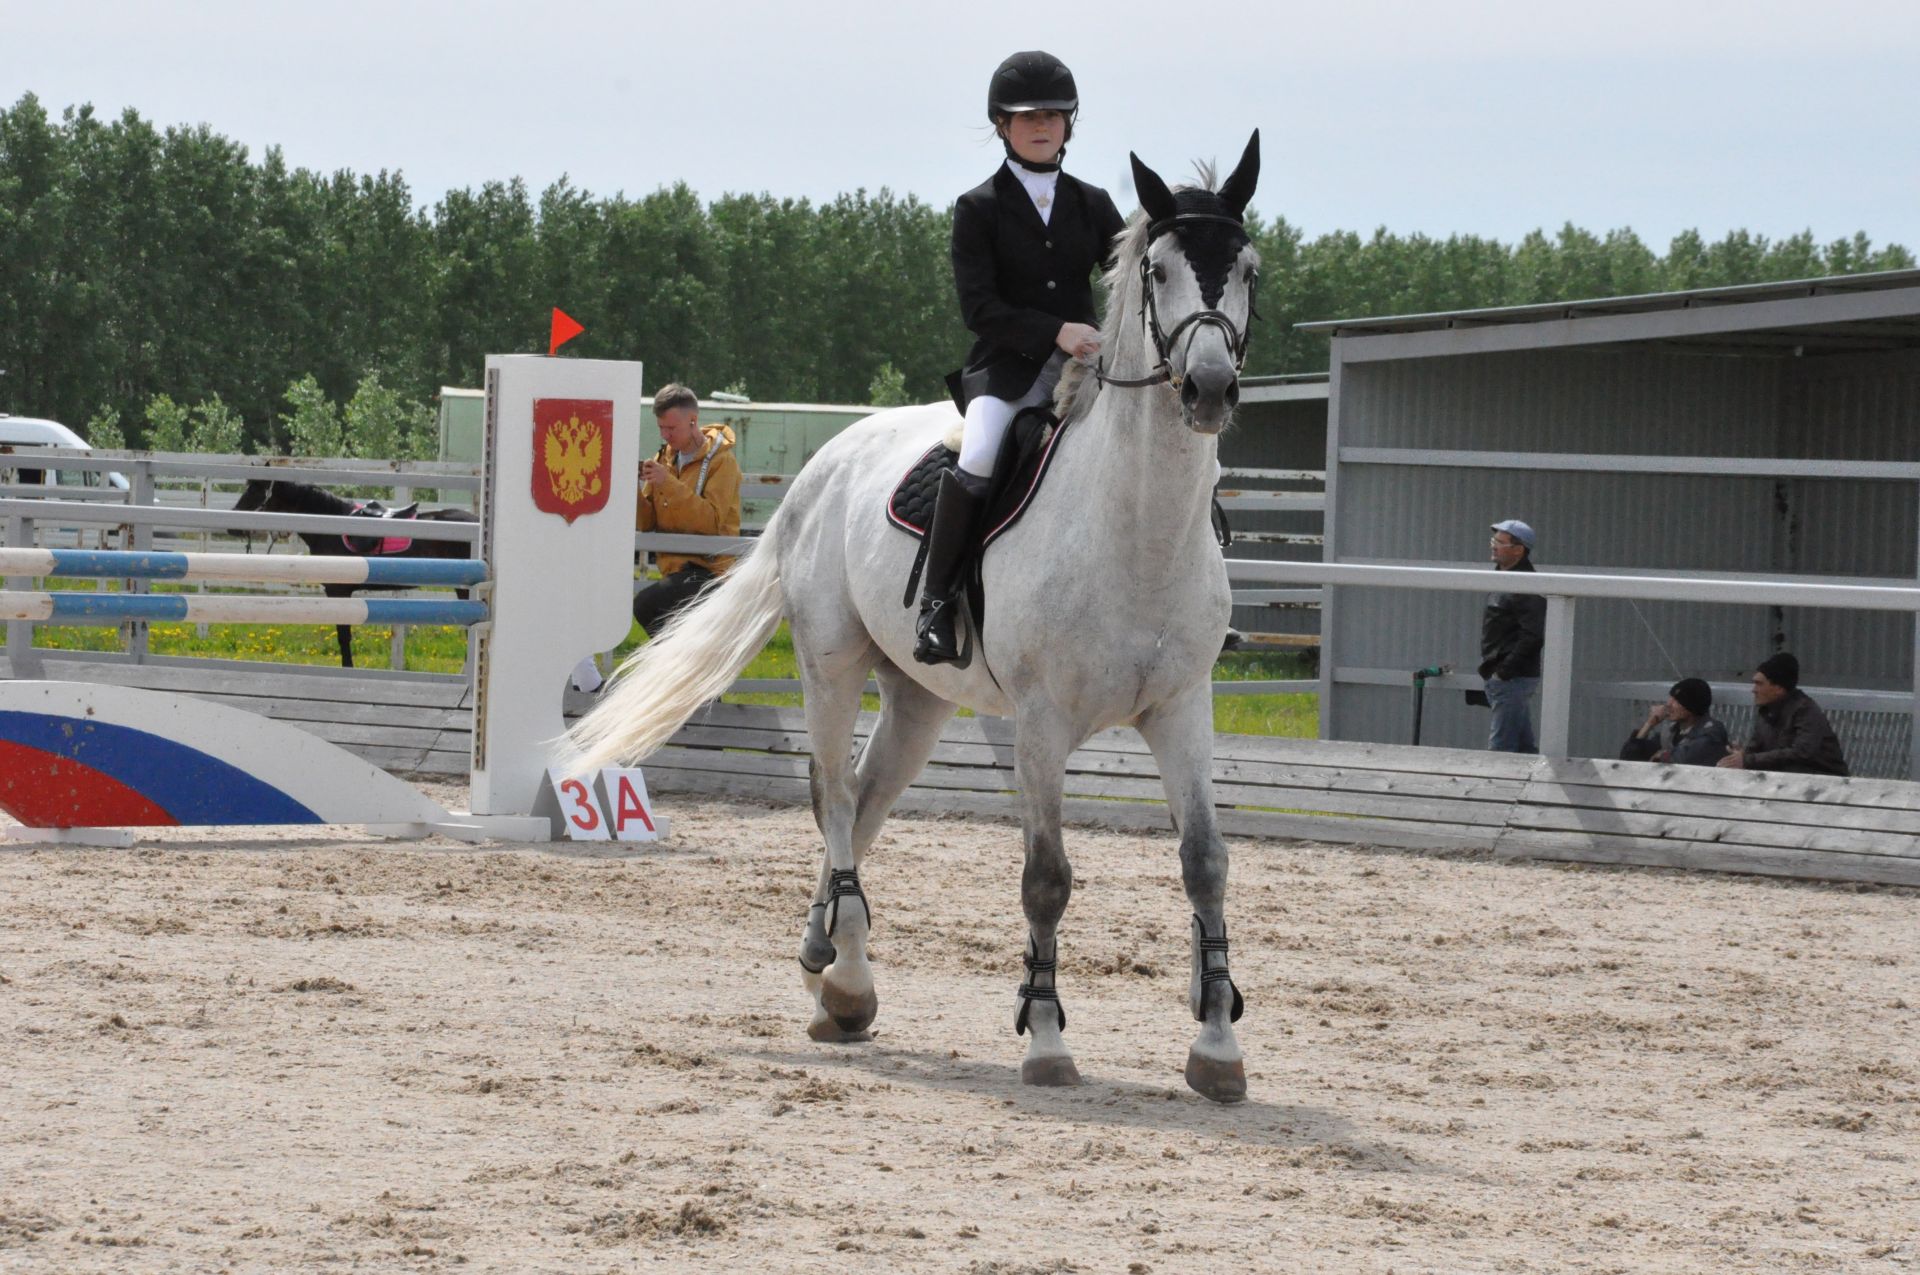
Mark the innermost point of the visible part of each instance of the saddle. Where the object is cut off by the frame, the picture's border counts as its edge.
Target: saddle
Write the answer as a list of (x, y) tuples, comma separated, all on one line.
[(1026, 453), (380, 546)]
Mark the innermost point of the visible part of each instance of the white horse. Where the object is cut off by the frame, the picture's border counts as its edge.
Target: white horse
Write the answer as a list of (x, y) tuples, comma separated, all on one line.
[(1106, 605)]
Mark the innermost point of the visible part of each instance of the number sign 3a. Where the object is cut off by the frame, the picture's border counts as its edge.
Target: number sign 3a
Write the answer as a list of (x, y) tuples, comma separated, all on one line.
[(614, 806)]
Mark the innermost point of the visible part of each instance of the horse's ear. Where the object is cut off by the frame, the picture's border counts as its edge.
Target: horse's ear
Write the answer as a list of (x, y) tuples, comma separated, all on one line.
[(1238, 189), (1154, 195)]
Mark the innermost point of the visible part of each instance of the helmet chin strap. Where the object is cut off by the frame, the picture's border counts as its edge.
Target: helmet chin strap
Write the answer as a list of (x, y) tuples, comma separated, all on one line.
[(1028, 164)]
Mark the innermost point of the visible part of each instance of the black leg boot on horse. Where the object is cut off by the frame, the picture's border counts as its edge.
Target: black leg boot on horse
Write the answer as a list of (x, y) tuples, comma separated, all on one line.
[(949, 543)]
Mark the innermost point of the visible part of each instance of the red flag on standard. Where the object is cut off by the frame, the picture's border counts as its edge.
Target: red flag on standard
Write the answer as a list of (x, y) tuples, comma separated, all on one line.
[(564, 330)]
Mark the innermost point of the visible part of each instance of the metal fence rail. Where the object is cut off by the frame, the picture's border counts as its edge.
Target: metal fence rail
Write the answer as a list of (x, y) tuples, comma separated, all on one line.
[(1563, 589)]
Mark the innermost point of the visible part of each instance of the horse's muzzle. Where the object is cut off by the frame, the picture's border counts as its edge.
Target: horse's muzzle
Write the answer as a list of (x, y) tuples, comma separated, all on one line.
[(1208, 394)]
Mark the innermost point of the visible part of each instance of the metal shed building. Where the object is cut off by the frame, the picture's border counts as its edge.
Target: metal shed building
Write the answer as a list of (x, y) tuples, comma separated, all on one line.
[(1760, 433)]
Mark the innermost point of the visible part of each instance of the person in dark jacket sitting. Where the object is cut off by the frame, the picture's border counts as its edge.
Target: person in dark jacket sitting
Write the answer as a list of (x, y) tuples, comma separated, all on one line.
[(1681, 731), (1790, 732), (1512, 632)]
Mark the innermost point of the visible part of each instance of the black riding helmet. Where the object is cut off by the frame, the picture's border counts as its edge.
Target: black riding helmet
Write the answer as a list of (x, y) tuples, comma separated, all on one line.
[(1032, 81)]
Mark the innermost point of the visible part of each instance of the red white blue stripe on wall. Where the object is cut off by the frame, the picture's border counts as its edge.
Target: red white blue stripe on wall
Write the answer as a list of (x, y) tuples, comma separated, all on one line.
[(75, 755)]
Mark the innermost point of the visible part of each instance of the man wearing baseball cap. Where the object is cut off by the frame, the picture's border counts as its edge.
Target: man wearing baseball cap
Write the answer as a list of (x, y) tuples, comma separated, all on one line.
[(1512, 632)]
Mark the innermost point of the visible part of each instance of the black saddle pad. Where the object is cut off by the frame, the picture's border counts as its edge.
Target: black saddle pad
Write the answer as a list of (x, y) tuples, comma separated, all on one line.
[(1025, 455), (381, 545)]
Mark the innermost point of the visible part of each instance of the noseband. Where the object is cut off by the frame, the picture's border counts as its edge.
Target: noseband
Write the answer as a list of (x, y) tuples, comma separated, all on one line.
[(1163, 342)]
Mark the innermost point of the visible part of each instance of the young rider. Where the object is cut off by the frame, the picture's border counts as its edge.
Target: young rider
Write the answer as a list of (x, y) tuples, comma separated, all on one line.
[(1026, 243)]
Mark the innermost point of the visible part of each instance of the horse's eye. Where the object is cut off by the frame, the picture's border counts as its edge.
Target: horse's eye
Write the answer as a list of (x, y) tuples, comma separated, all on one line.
[(1253, 275), (1159, 273)]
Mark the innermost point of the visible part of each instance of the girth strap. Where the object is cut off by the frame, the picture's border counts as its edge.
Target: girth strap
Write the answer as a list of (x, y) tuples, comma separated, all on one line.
[(919, 565), (844, 885), (1029, 993)]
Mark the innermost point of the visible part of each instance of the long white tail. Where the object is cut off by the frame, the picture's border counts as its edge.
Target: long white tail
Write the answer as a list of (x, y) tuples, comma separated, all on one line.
[(693, 660)]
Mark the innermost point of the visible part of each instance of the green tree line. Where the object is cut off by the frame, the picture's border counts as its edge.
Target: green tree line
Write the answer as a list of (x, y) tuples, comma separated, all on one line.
[(144, 268)]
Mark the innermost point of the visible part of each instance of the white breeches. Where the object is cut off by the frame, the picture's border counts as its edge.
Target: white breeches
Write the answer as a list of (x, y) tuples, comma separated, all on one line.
[(988, 418)]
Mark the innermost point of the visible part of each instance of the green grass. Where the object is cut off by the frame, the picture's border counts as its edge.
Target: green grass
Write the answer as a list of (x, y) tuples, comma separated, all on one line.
[(444, 650), (1295, 716), (429, 649)]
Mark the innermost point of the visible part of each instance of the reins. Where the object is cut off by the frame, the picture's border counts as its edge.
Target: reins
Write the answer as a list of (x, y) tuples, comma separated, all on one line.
[(1163, 342)]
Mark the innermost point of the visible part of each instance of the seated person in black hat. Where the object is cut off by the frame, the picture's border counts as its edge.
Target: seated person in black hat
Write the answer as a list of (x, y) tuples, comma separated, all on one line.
[(1789, 731), (1681, 731)]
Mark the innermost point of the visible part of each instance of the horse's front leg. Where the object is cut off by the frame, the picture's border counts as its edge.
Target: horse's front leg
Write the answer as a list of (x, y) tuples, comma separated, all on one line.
[(1180, 733), (1046, 884)]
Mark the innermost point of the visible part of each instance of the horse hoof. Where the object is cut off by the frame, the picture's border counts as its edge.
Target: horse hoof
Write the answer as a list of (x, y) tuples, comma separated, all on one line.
[(828, 1032), (1216, 1080), (1050, 1073), (851, 1013)]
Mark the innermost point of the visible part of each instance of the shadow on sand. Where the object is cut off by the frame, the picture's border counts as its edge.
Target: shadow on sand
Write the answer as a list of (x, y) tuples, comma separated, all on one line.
[(1100, 1101)]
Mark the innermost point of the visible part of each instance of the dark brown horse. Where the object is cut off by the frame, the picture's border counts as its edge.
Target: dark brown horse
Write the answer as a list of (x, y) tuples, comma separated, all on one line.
[(278, 497)]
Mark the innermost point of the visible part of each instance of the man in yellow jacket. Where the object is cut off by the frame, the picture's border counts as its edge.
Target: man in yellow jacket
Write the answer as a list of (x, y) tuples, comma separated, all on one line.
[(691, 487)]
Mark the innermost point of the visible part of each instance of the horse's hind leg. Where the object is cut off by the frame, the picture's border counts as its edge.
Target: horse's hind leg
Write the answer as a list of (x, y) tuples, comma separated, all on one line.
[(831, 684), (911, 718), (1046, 883), (909, 728), (1181, 736)]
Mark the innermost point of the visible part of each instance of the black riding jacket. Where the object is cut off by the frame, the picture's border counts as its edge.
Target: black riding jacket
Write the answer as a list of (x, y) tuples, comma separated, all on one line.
[(1020, 278)]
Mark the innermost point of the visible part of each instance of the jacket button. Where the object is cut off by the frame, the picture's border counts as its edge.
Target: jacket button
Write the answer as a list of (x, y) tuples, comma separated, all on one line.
[(1051, 285), (1049, 243)]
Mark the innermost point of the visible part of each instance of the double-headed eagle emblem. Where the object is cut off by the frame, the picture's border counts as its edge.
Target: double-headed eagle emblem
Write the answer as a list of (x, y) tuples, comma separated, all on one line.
[(572, 453), (572, 457)]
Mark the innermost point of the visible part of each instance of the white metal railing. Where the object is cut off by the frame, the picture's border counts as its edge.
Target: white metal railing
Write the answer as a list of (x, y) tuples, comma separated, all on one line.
[(1563, 589), (140, 511)]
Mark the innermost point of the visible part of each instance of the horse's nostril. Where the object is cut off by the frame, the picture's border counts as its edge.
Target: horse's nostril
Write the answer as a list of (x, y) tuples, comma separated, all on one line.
[(1233, 393), (1189, 392)]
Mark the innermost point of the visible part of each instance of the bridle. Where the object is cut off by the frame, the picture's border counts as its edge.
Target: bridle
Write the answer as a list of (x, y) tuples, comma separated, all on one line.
[(1163, 342)]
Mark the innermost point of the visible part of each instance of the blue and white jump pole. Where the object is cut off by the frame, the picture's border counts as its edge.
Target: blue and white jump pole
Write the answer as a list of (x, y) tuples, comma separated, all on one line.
[(559, 482)]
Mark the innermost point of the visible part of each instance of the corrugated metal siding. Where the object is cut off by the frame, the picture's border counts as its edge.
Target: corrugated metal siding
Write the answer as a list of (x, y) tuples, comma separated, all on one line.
[(1586, 521), (1857, 408), (1635, 401)]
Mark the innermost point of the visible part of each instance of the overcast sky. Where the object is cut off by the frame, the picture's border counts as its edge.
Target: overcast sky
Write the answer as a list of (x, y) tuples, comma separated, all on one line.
[(1482, 116)]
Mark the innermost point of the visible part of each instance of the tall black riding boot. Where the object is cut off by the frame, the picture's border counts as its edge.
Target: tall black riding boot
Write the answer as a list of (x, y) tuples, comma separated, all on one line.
[(949, 541)]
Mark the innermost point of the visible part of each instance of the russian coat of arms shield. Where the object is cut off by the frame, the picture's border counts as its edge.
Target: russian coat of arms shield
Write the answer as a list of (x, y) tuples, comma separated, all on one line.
[(572, 455)]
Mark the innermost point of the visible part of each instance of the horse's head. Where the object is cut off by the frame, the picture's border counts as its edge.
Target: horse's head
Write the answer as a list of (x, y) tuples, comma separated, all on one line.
[(256, 497), (1196, 274)]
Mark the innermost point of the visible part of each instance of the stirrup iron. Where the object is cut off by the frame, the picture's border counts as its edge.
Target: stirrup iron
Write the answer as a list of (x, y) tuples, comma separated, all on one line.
[(930, 615)]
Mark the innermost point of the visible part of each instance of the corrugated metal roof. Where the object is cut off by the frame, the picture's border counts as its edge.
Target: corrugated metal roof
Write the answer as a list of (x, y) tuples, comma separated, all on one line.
[(1642, 304)]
